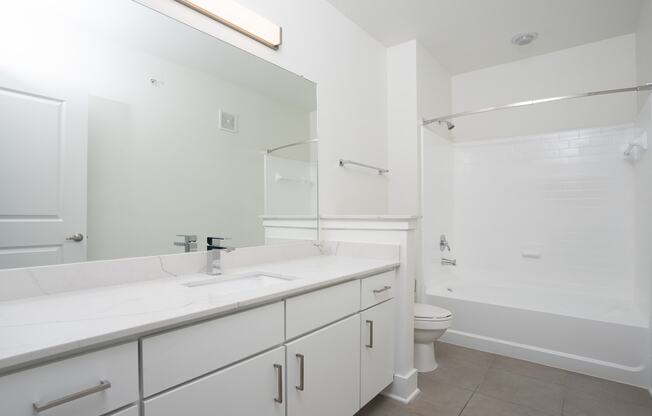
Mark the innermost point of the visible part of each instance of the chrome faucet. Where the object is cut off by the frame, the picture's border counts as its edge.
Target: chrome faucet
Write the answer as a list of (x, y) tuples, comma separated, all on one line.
[(189, 242), (448, 262), (214, 255)]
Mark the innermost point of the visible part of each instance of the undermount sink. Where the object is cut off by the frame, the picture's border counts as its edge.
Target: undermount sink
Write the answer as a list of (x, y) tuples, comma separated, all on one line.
[(233, 284)]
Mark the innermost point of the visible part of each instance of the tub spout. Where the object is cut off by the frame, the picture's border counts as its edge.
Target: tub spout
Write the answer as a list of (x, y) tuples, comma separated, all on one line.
[(448, 262)]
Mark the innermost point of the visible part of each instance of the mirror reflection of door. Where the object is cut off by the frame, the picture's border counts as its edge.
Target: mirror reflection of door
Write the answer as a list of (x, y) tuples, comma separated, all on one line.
[(43, 134)]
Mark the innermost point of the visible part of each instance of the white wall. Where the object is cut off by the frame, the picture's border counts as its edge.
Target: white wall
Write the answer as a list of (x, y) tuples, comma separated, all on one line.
[(596, 66), (417, 87), (402, 129), (349, 69), (438, 204), (434, 87), (644, 46), (643, 172), (644, 166)]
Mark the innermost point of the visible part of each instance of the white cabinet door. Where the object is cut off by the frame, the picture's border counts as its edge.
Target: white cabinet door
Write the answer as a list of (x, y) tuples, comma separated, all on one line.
[(43, 140), (377, 350), (253, 387), (329, 361)]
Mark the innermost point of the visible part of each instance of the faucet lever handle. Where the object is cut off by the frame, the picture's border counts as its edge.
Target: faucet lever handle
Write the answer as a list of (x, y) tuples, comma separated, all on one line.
[(210, 244), (188, 238), (209, 240)]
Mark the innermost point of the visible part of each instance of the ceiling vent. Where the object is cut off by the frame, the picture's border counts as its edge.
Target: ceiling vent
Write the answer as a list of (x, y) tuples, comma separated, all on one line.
[(523, 39)]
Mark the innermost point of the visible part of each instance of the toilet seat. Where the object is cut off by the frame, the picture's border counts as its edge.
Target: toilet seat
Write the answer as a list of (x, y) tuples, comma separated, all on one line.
[(431, 317)]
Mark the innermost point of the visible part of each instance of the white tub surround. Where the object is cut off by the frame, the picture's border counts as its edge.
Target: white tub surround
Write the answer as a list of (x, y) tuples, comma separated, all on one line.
[(54, 311), (389, 229)]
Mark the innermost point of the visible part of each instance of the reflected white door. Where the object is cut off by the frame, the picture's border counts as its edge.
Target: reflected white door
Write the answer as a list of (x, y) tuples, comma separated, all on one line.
[(43, 139)]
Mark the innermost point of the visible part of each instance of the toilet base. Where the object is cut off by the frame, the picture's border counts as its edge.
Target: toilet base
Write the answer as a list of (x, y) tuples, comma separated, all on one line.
[(424, 357)]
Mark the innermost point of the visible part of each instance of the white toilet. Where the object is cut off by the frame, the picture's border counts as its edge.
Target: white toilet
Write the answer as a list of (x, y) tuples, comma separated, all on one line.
[(430, 323)]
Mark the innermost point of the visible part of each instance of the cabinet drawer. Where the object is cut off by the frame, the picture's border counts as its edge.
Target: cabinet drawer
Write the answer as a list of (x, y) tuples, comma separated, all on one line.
[(183, 354), (255, 387), (376, 289), (313, 310), (87, 385)]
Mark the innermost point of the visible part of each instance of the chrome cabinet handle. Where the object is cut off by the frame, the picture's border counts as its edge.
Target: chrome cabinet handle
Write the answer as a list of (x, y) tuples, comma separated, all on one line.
[(279, 383), (383, 289), (371, 334), (302, 380), (104, 385), (76, 238)]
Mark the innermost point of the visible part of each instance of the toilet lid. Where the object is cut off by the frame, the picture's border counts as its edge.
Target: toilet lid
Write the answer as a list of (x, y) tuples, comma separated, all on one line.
[(430, 312)]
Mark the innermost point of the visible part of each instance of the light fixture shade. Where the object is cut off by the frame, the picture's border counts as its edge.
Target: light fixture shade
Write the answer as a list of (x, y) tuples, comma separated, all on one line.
[(239, 18)]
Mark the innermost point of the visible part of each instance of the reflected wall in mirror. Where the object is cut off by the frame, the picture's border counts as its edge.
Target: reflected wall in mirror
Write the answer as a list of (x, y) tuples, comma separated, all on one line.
[(121, 128)]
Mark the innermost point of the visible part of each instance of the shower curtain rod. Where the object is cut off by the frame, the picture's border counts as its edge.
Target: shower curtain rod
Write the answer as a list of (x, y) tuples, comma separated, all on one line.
[(292, 145), (644, 87)]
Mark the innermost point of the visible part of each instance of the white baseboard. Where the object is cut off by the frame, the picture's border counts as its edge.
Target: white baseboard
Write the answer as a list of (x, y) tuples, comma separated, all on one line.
[(636, 376), (404, 388), (402, 400)]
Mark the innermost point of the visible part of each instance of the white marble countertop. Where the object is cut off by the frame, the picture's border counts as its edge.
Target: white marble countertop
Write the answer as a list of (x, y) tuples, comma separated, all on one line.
[(37, 328)]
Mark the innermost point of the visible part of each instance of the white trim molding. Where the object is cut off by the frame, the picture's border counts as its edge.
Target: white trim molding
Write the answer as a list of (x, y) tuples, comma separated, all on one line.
[(388, 229)]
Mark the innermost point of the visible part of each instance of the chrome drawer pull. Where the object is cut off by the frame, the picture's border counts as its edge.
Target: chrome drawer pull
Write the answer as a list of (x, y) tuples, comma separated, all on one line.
[(279, 381), (302, 379), (104, 385), (371, 334), (384, 289)]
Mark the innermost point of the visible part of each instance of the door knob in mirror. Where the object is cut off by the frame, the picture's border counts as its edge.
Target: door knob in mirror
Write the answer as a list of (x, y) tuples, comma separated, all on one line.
[(76, 238)]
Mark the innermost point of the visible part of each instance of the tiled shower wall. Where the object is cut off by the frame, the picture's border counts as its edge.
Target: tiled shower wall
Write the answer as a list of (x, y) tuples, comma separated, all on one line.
[(548, 210)]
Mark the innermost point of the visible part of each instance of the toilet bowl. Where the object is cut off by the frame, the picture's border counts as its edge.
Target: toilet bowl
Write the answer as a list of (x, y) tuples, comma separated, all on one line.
[(430, 323)]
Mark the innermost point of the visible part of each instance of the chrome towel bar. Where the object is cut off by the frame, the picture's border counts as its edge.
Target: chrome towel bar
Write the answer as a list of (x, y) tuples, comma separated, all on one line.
[(344, 162)]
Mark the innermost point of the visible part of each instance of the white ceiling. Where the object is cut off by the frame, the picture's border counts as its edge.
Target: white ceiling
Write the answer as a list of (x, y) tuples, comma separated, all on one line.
[(465, 35)]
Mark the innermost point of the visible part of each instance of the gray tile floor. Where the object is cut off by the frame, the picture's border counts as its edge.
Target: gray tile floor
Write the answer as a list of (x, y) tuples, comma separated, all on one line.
[(476, 383)]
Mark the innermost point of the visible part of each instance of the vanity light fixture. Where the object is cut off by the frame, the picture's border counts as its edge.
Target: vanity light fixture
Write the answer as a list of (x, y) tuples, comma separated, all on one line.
[(239, 18)]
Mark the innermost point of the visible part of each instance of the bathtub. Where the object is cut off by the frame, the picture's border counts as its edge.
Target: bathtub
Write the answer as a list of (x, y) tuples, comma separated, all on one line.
[(586, 333)]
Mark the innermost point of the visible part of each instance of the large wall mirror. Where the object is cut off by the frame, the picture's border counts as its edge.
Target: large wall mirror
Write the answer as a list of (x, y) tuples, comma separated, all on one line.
[(121, 128)]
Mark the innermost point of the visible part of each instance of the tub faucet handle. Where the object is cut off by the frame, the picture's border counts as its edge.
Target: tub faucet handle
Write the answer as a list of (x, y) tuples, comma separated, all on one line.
[(443, 243)]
